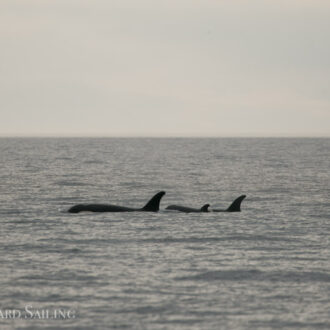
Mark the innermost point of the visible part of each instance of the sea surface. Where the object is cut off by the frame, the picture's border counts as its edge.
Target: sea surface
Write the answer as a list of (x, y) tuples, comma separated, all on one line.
[(267, 267)]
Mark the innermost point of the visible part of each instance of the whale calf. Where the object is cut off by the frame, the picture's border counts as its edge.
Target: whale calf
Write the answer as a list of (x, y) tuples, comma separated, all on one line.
[(186, 209), (235, 206), (151, 206)]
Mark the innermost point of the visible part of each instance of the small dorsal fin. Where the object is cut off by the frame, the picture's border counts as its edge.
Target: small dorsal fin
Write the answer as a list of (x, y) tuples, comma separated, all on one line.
[(153, 204), (205, 207), (236, 204)]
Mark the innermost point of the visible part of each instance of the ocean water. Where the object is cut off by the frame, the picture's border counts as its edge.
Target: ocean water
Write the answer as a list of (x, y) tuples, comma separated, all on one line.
[(267, 267)]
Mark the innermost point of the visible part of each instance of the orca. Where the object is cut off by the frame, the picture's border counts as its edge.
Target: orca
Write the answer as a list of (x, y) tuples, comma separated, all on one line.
[(185, 209), (235, 206), (151, 206)]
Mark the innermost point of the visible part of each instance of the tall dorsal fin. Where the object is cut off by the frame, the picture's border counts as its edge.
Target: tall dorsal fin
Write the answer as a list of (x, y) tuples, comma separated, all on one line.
[(205, 207), (236, 204), (153, 204)]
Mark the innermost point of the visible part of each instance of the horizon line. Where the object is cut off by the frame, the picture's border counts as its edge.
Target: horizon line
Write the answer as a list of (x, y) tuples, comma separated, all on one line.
[(166, 136)]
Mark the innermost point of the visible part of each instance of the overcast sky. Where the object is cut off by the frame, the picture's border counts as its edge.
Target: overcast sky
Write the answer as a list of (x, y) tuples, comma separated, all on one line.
[(165, 67)]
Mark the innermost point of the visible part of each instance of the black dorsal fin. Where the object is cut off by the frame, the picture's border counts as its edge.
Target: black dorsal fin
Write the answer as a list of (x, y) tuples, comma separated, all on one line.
[(236, 204), (153, 204), (205, 207)]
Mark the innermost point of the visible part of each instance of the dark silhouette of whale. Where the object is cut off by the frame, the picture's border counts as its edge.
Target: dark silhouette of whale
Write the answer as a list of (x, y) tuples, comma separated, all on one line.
[(151, 206), (235, 206), (186, 209)]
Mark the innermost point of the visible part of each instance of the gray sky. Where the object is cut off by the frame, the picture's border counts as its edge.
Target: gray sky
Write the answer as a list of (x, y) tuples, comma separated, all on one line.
[(165, 67)]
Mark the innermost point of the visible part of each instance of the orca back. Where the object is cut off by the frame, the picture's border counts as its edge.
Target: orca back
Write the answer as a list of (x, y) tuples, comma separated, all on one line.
[(205, 207), (236, 204), (153, 204)]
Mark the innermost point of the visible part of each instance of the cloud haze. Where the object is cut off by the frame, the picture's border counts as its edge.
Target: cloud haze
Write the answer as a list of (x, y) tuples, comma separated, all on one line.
[(165, 68)]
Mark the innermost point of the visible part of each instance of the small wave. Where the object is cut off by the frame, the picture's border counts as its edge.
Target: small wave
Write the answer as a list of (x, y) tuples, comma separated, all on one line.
[(257, 275), (70, 183), (259, 238), (183, 240), (10, 211), (281, 324), (147, 309), (64, 158), (93, 162), (60, 277)]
